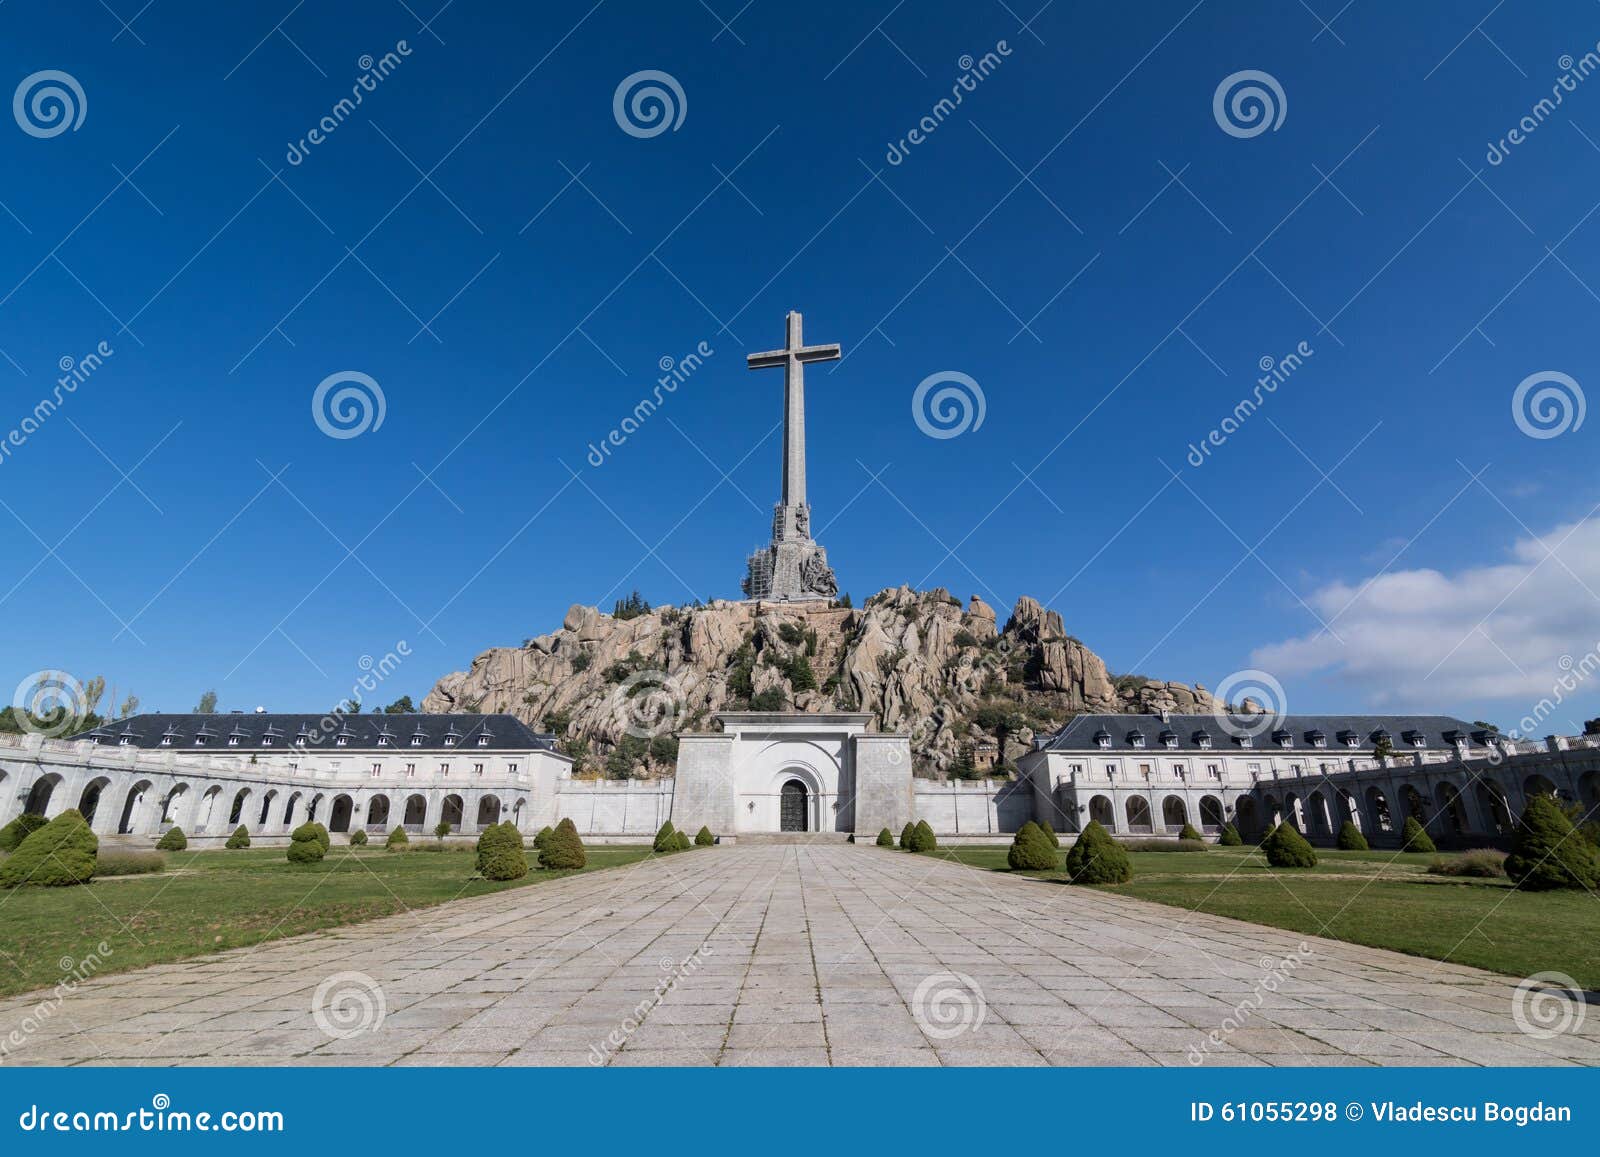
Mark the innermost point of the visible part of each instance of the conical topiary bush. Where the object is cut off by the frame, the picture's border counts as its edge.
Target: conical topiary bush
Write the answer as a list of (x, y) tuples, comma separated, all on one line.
[(563, 850), (1230, 837), (1049, 833), (239, 839), (1547, 852), (61, 852), (1031, 850), (544, 835), (886, 838), (358, 838), (905, 836), (1187, 832), (1414, 837), (1096, 858), (1285, 847), (173, 840), (1350, 838), (922, 838), (398, 839), (664, 841), (703, 838), (19, 829), (501, 855)]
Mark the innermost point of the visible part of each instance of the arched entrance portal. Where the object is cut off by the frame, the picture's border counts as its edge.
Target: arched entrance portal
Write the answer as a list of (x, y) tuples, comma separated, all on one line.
[(793, 804)]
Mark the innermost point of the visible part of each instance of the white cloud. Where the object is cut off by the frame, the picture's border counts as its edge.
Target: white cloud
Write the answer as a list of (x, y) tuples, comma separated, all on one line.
[(1426, 640)]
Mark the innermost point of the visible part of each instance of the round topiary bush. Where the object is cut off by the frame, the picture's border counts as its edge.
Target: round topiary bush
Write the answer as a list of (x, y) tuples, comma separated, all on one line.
[(1230, 837), (563, 849), (1032, 850), (905, 836), (500, 853), (322, 836), (19, 829), (239, 839), (173, 841), (666, 838), (703, 838), (1415, 838), (1287, 848), (1350, 838), (886, 838), (1050, 833), (1096, 858), (397, 838), (358, 838), (922, 838), (1187, 832), (62, 852), (1546, 851), (305, 846)]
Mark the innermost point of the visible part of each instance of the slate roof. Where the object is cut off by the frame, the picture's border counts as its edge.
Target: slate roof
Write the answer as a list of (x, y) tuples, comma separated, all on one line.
[(267, 732), (1436, 731)]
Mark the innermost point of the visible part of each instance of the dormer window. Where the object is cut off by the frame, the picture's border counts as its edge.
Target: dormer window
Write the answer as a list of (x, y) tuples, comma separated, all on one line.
[(199, 740), (1350, 739), (1102, 738), (483, 741), (1416, 738), (1136, 738), (266, 741), (383, 741), (166, 741), (416, 741), (1283, 738), (1169, 739), (233, 741), (1317, 738), (449, 740), (341, 740), (122, 741), (1245, 741), (1202, 739)]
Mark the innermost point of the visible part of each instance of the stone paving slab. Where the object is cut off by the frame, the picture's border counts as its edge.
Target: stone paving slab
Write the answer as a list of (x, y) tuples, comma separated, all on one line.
[(796, 955)]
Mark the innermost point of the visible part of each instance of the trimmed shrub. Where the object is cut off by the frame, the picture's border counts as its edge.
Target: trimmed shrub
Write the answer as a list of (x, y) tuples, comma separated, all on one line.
[(441, 830), (1049, 833), (305, 845), (19, 829), (323, 837), (1187, 832), (358, 838), (239, 839), (60, 853), (905, 836), (1032, 850), (922, 838), (1415, 837), (563, 850), (1287, 848), (886, 838), (543, 837), (681, 842), (397, 838), (666, 838), (1164, 845), (500, 853), (1484, 863), (1350, 838), (703, 838), (129, 863), (173, 841), (1230, 837), (1546, 851), (1096, 858)]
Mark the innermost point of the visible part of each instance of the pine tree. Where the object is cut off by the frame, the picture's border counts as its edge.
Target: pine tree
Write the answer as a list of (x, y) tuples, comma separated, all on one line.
[(1032, 850), (1548, 853), (1096, 858), (1415, 837), (1285, 847), (1350, 838)]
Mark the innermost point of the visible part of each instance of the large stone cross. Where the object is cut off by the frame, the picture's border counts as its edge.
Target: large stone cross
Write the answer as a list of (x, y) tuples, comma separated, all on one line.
[(793, 358)]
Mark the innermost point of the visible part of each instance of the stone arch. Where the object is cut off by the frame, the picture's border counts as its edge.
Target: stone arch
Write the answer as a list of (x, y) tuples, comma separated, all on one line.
[(416, 813), (451, 811), (1318, 815), (1589, 794), (794, 805), (1211, 814), (488, 810), (172, 804), (288, 809), (236, 812), (1452, 810), (1174, 812), (1537, 784), (206, 809), (378, 811), (312, 807), (1248, 816), (89, 798), (1378, 811), (39, 794), (518, 811), (266, 808), (1494, 809), (339, 814), (1294, 812), (1100, 812), (133, 808), (1137, 809), (1350, 810)]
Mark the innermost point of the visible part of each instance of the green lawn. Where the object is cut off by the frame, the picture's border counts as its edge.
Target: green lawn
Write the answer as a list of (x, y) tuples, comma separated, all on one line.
[(1374, 898), (208, 901)]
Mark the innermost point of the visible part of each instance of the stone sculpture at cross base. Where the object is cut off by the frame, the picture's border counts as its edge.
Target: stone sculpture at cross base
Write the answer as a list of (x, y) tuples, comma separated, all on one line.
[(793, 566)]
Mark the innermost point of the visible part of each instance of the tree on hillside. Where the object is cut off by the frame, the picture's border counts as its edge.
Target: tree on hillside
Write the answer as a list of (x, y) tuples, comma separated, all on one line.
[(1002, 717), (632, 607), (207, 704), (401, 706)]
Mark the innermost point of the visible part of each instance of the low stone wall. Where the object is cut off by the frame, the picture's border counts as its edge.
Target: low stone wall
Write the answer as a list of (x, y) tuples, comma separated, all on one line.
[(973, 807), (615, 807)]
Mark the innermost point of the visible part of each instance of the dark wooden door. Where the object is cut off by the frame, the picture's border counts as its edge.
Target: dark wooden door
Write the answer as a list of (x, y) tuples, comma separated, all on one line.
[(792, 807)]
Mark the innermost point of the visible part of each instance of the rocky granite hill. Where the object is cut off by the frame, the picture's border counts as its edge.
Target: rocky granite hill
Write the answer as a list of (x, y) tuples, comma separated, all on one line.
[(618, 688)]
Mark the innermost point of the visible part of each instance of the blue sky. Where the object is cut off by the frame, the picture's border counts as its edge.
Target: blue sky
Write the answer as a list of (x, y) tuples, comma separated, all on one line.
[(1080, 236)]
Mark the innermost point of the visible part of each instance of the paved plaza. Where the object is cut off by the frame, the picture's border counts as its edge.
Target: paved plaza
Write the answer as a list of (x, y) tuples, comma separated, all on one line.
[(797, 955)]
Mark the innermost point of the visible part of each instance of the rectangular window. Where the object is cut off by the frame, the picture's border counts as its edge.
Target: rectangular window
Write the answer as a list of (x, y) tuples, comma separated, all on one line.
[(377, 769), (512, 767), (1144, 771), (1180, 771), (411, 770), (477, 769), (1215, 772), (444, 769)]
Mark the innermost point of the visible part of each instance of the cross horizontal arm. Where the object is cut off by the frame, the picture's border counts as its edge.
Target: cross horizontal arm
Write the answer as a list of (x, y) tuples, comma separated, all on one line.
[(770, 358), (817, 353)]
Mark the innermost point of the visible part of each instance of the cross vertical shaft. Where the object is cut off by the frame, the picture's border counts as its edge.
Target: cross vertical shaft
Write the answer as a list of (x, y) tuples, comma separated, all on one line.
[(793, 358)]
